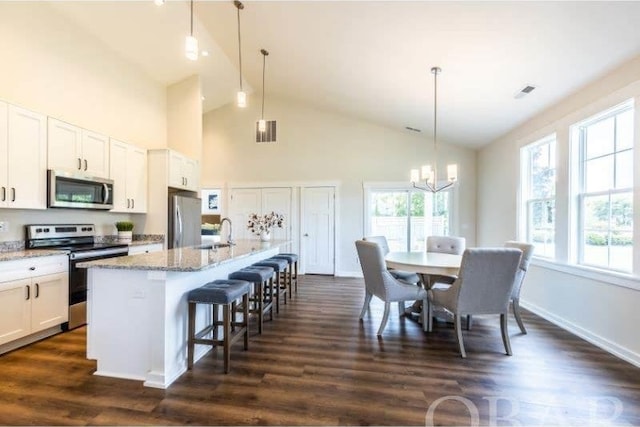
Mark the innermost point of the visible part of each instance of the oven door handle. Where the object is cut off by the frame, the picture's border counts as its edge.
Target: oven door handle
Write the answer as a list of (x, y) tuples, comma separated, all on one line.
[(100, 253)]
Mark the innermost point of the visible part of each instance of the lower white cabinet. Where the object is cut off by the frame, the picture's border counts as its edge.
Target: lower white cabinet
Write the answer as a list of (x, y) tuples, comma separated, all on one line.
[(145, 249), (34, 295)]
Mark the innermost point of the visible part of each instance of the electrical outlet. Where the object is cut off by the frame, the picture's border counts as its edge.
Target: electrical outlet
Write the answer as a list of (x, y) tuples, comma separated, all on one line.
[(4, 227)]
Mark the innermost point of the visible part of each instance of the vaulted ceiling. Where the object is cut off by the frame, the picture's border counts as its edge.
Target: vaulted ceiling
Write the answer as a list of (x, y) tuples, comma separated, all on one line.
[(371, 59)]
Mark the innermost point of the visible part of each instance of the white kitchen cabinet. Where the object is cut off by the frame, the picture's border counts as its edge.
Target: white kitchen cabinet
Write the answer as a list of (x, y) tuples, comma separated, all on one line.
[(72, 148), (34, 296), (23, 161), (128, 170), (183, 172), (145, 249)]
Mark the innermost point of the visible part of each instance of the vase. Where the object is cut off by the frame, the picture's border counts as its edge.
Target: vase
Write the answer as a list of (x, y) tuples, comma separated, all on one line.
[(125, 236), (265, 236)]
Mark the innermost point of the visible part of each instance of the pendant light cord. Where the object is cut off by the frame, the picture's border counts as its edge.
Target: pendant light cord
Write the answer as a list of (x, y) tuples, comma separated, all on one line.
[(264, 62), (191, 18), (239, 6), (435, 71)]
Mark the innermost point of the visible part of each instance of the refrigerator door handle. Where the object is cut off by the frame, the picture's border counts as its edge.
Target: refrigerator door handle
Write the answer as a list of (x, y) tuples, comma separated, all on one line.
[(178, 237)]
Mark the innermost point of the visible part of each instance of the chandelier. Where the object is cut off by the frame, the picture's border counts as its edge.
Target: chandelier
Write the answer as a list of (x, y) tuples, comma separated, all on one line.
[(426, 178)]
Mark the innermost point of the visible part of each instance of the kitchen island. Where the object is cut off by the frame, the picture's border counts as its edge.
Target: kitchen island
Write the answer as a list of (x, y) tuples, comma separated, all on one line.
[(137, 307)]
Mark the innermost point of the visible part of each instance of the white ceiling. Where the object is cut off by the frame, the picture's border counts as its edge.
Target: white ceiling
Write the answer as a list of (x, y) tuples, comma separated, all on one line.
[(371, 59)]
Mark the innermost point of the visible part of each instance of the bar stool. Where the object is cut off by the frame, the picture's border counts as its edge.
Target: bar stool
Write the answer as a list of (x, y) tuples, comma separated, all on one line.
[(279, 265), (262, 278), (292, 259), (224, 293)]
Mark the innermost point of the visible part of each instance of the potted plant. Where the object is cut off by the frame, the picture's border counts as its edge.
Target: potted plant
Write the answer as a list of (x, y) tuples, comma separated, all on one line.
[(125, 231), (261, 225)]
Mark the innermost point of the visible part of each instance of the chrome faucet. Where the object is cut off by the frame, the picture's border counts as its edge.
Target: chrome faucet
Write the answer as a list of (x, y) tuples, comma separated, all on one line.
[(230, 238)]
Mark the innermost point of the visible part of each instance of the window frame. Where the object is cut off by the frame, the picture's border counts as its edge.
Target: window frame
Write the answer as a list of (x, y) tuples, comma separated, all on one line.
[(371, 187), (526, 197), (578, 132)]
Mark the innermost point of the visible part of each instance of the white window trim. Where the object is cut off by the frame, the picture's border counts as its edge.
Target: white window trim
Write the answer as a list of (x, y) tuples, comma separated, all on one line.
[(576, 189)]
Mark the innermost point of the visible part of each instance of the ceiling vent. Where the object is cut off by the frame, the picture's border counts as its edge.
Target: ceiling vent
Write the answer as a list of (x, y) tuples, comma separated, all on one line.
[(524, 91), (269, 135)]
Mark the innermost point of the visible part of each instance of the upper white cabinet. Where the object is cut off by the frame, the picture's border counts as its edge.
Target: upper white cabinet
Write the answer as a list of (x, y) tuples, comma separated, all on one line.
[(128, 170), (23, 158), (75, 149), (183, 172)]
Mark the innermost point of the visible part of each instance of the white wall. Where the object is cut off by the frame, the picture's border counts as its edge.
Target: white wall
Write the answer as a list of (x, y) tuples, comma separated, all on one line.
[(315, 145), (600, 309), (51, 66)]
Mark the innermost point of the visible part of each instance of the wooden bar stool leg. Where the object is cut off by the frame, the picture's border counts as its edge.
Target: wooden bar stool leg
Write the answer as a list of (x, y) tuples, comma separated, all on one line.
[(260, 305), (192, 332), (245, 320), (295, 265), (277, 291), (227, 337)]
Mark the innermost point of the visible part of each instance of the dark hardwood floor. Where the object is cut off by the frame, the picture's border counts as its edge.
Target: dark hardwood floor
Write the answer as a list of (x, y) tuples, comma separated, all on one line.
[(316, 364)]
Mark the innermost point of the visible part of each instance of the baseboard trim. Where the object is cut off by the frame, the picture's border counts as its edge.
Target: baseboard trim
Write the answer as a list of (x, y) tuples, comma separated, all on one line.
[(357, 274), (597, 340)]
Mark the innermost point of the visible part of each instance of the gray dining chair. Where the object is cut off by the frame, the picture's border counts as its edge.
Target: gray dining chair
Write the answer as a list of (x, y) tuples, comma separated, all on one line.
[(407, 276), (446, 245), (527, 253), (483, 286), (380, 283)]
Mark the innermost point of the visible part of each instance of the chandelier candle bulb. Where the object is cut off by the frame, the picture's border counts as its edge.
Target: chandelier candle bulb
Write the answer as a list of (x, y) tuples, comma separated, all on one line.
[(452, 173), (415, 175), (262, 125), (427, 173)]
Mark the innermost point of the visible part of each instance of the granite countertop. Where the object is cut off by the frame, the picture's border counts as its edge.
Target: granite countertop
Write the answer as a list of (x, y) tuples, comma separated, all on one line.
[(29, 253), (145, 242), (185, 259)]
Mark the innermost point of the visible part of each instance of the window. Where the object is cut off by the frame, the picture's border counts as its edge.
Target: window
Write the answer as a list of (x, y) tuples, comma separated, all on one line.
[(407, 217), (538, 189), (604, 190)]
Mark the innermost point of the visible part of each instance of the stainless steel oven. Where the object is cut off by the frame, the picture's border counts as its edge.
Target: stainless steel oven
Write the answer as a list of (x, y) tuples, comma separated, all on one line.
[(73, 190), (79, 241)]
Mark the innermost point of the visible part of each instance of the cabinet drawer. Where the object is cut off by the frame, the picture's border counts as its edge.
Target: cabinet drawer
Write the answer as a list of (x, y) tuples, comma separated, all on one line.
[(31, 267)]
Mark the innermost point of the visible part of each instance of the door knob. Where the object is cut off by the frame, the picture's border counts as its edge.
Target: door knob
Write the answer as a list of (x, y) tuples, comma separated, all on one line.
[(306, 234)]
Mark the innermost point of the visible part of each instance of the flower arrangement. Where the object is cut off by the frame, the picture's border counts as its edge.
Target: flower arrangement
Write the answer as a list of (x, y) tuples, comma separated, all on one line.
[(262, 224)]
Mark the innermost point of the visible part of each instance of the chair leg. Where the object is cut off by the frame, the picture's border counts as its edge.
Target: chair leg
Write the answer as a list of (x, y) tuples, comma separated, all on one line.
[(469, 322), (458, 323), (516, 314), (365, 307), (401, 308), (385, 317), (245, 319), (429, 314), (505, 333)]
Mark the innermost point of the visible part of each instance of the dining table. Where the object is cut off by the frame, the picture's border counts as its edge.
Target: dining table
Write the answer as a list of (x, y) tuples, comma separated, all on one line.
[(428, 266), (425, 264)]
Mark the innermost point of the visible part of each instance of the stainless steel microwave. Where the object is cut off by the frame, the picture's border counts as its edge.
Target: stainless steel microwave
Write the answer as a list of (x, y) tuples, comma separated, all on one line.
[(73, 190)]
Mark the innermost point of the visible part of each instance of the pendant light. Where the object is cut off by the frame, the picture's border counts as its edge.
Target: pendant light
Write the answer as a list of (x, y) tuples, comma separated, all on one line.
[(262, 124), (426, 179), (191, 43), (158, 2), (242, 96)]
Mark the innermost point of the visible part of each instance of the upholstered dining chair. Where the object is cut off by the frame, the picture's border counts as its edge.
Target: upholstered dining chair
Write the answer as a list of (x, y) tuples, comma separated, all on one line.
[(484, 286), (527, 252), (447, 245), (407, 276), (379, 282)]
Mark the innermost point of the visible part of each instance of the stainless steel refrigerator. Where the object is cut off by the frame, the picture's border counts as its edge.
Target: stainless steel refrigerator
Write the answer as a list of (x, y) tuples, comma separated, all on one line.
[(184, 221)]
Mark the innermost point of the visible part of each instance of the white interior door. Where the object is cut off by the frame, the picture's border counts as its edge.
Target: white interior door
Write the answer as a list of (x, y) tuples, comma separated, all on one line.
[(242, 203), (278, 200), (318, 230)]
